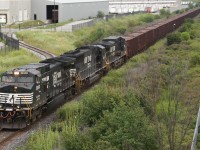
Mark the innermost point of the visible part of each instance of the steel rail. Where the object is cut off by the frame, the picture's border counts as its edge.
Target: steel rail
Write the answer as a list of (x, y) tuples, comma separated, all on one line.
[(45, 54)]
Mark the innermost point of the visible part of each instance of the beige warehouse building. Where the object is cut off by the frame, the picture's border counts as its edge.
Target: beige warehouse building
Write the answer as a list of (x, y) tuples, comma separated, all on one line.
[(14, 10), (57, 10)]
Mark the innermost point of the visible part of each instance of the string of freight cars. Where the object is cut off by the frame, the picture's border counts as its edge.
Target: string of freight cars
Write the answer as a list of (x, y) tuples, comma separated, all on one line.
[(25, 92)]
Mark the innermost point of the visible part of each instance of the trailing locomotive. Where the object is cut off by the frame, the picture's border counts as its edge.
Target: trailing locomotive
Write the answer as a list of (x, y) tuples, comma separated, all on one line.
[(26, 91)]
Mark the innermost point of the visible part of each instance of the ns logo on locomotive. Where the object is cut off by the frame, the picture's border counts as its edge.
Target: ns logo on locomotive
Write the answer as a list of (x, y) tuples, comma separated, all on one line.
[(25, 92)]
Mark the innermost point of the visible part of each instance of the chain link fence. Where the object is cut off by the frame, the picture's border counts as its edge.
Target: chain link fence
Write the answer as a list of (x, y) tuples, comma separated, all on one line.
[(9, 41)]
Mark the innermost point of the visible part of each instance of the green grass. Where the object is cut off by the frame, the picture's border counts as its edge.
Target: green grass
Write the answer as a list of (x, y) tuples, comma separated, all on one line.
[(51, 26), (15, 58), (26, 24), (54, 42)]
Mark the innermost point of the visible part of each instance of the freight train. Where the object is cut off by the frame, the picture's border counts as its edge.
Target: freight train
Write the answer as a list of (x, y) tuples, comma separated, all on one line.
[(26, 91)]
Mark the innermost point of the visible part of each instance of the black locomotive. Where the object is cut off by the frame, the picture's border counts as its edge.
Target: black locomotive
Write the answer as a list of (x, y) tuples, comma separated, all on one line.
[(26, 91)]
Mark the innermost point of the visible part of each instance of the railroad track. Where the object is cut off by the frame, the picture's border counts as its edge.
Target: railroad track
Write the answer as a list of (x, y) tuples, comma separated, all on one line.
[(6, 136), (42, 53)]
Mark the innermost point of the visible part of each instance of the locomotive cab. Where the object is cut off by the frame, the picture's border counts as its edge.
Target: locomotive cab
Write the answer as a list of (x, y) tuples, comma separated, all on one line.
[(110, 51), (115, 50), (16, 89), (98, 53), (119, 43), (19, 96)]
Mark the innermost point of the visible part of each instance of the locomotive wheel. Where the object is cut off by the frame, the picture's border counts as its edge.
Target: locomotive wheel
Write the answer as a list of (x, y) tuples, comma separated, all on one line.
[(33, 119), (39, 115)]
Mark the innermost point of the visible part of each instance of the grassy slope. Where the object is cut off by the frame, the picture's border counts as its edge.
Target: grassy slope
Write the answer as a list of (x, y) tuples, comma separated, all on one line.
[(26, 24), (15, 58)]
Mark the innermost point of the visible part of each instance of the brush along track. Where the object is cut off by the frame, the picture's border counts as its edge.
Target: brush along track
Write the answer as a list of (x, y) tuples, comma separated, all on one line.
[(43, 53)]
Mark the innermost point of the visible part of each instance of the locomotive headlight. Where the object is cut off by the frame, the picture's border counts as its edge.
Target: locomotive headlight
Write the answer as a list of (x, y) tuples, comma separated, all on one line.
[(1, 105), (16, 73), (18, 106)]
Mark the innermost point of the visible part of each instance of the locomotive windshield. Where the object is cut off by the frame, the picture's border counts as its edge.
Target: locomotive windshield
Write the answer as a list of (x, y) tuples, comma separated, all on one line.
[(12, 79), (8, 79)]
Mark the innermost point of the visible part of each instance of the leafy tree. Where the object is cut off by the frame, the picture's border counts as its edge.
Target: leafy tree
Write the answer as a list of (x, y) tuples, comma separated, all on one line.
[(126, 127), (100, 14), (164, 12), (96, 102)]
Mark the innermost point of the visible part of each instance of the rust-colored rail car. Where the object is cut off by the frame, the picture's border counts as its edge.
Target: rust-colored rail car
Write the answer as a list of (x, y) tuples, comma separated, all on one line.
[(140, 40)]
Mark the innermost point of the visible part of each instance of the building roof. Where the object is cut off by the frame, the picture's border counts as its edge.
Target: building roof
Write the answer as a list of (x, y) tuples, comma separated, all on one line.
[(77, 1)]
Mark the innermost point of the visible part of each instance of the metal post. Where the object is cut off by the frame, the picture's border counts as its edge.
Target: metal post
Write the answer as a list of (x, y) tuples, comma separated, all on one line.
[(174, 26), (195, 136), (0, 27), (54, 16), (20, 102)]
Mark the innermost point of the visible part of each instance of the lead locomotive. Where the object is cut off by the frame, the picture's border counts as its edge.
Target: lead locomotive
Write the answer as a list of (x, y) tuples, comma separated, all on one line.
[(26, 91)]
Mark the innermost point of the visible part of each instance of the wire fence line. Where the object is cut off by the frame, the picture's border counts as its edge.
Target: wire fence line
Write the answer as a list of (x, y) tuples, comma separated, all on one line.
[(10, 41), (93, 21), (196, 132)]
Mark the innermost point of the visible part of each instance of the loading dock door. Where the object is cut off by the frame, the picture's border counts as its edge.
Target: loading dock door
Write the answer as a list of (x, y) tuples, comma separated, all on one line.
[(20, 15), (3, 18), (52, 13)]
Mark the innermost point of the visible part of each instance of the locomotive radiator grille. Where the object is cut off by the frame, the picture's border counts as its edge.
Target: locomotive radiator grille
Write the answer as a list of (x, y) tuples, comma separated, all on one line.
[(13, 98)]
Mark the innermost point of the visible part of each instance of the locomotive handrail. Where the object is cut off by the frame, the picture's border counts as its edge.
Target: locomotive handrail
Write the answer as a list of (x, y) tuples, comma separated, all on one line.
[(5, 116), (30, 109), (14, 112), (107, 61)]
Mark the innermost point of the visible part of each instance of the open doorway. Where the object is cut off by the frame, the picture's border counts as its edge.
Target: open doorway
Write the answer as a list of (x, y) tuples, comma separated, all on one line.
[(35, 17), (52, 13)]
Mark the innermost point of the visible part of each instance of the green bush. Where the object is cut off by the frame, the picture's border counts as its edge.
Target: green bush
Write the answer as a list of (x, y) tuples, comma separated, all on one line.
[(173, 38), (195, 60), (96, 102), (120, 127), (100, 14), (147, 18), (185, 36), (121, 30)]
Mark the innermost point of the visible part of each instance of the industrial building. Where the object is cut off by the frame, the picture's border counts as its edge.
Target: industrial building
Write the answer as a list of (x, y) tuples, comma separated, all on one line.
[(62, 10), (14, 10), (50, 10), (130, 6)]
